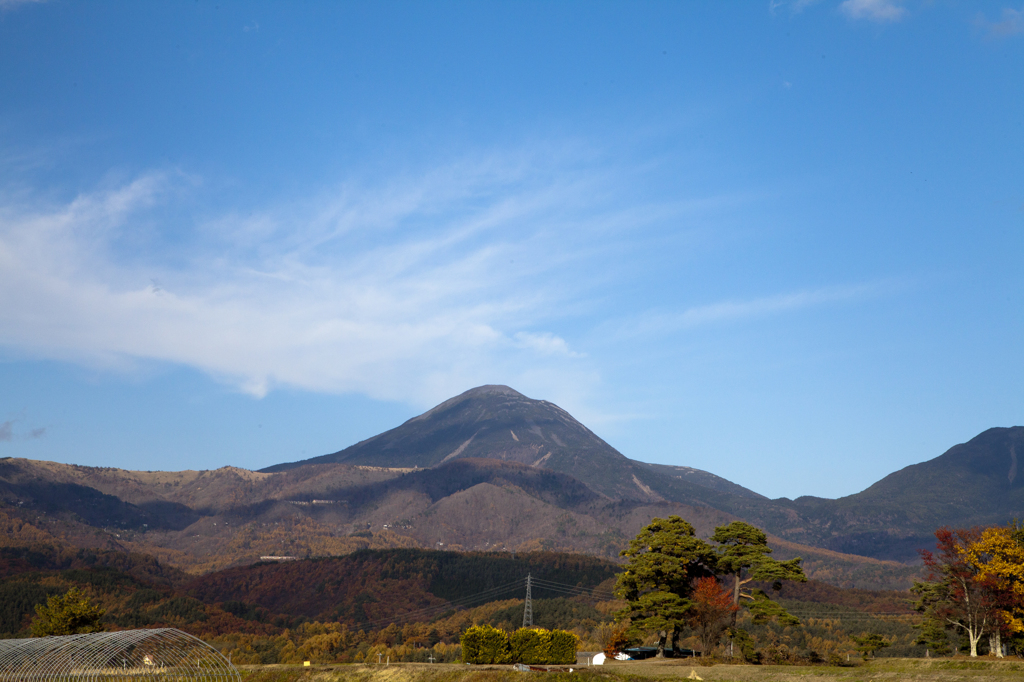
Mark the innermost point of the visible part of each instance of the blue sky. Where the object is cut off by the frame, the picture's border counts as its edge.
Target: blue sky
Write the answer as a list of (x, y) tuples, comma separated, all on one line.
[(782, 242)]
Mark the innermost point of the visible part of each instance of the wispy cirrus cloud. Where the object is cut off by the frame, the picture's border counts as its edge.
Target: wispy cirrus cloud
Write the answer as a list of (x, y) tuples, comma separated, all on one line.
[(11, 4), (882, 11), (794, 6), (411, 290), (1010, 22), (655, 322)]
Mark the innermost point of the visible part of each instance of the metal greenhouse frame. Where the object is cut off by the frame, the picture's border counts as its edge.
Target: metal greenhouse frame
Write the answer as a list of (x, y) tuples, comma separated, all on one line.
[(161, 655)]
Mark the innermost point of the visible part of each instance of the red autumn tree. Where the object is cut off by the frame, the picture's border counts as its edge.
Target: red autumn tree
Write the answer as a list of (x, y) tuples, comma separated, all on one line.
[(710, 612), (955, 595)]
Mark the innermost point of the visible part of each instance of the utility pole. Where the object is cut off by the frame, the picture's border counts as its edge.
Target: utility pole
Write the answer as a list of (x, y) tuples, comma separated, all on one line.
[(528, 610)]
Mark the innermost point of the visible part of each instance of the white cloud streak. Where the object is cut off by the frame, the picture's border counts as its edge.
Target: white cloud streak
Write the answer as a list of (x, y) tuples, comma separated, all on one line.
[(736, 310), (794, 6), (1011, 22), (409, 292), (881, 11)]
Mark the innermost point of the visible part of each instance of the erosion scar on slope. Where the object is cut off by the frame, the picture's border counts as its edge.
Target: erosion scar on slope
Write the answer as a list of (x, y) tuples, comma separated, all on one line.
[(1013, 463), (647, 489), (458, 451)]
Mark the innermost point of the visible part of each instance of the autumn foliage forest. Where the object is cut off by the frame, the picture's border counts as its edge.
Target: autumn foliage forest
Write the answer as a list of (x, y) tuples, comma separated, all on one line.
[(414, 605)]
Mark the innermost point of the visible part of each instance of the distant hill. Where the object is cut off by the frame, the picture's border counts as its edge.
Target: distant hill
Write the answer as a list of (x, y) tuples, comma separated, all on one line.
[(133, 590), (493, 470), (322, 509), (974, 483), (333, 609), (375, 586), (337, 509)]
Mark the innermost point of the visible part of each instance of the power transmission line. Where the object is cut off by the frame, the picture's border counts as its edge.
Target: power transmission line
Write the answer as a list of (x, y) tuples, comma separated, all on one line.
[(573, 590), (550, 586), (428, 612), (492, 594)]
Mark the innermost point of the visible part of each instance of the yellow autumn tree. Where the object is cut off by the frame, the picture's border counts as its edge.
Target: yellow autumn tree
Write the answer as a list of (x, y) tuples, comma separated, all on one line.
[(998, 556)]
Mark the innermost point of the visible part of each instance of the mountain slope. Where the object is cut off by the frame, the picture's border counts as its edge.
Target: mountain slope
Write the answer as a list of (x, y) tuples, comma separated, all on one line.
[(493, 469), (973, 483), (497, 422), (335, 509)]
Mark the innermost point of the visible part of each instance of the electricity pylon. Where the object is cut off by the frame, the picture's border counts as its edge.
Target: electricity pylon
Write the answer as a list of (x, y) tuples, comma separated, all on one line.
[(528, 611)]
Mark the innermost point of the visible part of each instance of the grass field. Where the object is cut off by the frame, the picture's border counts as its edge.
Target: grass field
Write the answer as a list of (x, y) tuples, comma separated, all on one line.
[(915, 670)]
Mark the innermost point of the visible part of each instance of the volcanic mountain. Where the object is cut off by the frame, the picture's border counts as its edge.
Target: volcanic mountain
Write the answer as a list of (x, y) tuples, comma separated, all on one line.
[(491, 469), (499, 423), (975, 483)]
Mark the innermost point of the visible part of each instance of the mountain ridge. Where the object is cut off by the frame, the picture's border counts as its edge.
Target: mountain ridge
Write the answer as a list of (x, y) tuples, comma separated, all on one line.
[(890, 519), (497, 422), (492, 470)]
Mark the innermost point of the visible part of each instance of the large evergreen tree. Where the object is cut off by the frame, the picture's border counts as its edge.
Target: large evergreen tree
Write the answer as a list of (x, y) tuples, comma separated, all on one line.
[(663, 561), (743, 554)]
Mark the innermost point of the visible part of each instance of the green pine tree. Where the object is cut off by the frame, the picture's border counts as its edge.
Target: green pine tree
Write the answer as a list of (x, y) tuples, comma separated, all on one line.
[(743, 554), (663, 560), (71, 613), (869, 644)]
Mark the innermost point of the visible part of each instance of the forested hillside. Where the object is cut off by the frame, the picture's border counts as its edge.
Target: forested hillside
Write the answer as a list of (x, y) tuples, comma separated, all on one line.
[(407, 604)]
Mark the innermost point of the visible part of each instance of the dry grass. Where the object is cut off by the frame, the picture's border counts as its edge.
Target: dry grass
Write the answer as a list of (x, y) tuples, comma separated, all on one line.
[(914, 670)]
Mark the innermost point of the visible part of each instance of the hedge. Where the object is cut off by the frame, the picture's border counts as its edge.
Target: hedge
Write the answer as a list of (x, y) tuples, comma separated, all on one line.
[(562, 647), (530, 646), (485, 644), (533, 646)]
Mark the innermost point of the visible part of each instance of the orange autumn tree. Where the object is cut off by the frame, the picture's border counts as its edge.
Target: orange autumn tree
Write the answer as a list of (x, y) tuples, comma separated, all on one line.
[(711, 610), (997, 556), (976, 585)]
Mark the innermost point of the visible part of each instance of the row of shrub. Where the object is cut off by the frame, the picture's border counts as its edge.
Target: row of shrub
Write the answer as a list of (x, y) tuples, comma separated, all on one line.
[(534, 646)]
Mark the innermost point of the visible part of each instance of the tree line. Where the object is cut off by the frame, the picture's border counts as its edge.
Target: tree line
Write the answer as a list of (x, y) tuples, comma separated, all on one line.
[(672, 583), (673, 580)]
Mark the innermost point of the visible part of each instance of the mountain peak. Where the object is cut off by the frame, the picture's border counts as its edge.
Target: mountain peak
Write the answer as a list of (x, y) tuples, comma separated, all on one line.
[(488, 389), (493, 422), (480, 392), (497, 422)]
